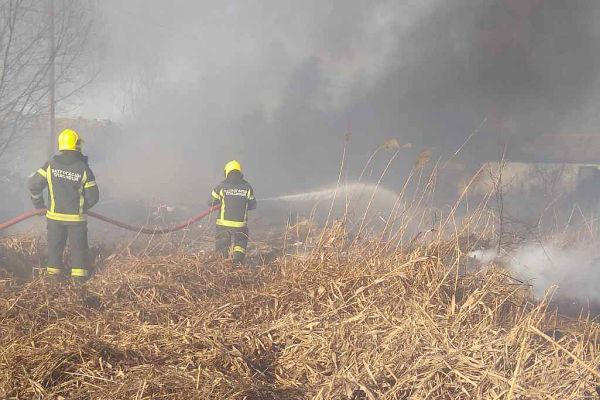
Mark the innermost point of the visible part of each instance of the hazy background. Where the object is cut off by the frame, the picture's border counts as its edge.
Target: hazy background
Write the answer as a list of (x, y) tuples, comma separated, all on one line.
[(183, 86), (278, 84)]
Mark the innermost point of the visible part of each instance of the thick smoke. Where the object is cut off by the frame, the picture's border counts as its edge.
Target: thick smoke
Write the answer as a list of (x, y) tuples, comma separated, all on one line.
[(279, 84), (575, 270)]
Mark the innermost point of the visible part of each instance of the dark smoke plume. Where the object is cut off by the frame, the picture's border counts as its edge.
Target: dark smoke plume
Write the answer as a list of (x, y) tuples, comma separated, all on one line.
[(279, 84)]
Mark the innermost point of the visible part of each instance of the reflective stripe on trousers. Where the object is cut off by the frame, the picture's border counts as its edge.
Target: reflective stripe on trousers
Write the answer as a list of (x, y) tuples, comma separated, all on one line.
[(79, 272)]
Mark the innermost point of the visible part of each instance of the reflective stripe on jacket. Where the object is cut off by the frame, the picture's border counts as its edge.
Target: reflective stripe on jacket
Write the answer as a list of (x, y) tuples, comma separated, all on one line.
[(71, 184), (236, 198)]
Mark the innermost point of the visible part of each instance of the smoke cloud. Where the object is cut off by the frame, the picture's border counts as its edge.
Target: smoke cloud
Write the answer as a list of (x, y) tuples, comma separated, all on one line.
[(575, 270), (279, 84)]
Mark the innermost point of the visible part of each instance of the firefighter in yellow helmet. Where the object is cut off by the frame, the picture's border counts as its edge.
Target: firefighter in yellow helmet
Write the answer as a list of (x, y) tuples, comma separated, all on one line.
[(236, 198), (72, 190)]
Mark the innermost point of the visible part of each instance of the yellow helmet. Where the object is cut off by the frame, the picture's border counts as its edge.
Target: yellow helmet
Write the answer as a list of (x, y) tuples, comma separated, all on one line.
[(232, 166), (69, 140)]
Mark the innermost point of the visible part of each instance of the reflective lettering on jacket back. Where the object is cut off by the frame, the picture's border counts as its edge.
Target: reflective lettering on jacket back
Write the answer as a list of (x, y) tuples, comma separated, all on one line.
[(236, 192), (68, 175)]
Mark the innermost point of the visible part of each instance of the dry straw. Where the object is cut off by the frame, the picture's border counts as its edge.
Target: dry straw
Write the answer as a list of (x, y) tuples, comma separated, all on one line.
[(381, 316), (343, 323)]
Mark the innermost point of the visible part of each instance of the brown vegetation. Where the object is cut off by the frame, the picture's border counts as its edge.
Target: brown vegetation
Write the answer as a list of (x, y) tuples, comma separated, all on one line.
[(365, 322)]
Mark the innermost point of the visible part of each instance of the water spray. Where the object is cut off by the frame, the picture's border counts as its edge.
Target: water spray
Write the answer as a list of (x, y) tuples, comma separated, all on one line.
[(352, 189)]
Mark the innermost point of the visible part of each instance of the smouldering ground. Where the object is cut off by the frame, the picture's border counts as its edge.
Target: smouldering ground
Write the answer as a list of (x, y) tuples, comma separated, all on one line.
[(358, 322)]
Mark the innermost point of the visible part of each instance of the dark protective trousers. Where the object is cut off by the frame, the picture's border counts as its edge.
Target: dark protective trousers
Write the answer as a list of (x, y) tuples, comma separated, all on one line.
[(76, 233), (232, 240)]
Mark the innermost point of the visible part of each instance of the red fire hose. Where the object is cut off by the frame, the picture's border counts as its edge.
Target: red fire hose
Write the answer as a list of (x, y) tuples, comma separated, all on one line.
[(152, 230)]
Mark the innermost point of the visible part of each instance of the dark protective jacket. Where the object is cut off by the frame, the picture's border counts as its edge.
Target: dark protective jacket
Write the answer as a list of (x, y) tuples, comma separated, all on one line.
[(236, 198), (71, 186)]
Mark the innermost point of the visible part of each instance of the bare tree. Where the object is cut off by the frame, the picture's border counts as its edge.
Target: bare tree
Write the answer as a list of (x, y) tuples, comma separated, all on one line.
[(26, 57)]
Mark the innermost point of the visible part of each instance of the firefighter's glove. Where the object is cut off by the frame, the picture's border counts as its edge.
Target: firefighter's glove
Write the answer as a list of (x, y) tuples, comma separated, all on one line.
[(38, 202)]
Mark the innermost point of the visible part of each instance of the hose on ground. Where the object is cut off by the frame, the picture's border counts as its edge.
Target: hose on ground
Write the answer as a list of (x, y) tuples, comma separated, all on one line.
[(151, 230)]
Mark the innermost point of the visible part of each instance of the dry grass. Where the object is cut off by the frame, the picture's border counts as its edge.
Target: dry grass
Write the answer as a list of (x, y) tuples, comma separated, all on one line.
[(17, 256), (357, 322)]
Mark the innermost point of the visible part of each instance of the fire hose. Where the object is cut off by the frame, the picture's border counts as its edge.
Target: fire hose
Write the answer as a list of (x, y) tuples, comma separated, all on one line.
[(151, 230)]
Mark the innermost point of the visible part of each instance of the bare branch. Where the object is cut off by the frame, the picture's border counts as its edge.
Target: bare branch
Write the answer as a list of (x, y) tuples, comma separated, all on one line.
[(25, 60)]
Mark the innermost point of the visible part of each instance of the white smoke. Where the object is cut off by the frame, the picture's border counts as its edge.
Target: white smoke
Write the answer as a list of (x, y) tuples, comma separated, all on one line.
[(484, 257), (575, 270)]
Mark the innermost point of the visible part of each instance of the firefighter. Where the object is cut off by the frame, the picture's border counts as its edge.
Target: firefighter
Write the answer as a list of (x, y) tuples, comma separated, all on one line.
[(72, 190), (236, 198)]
